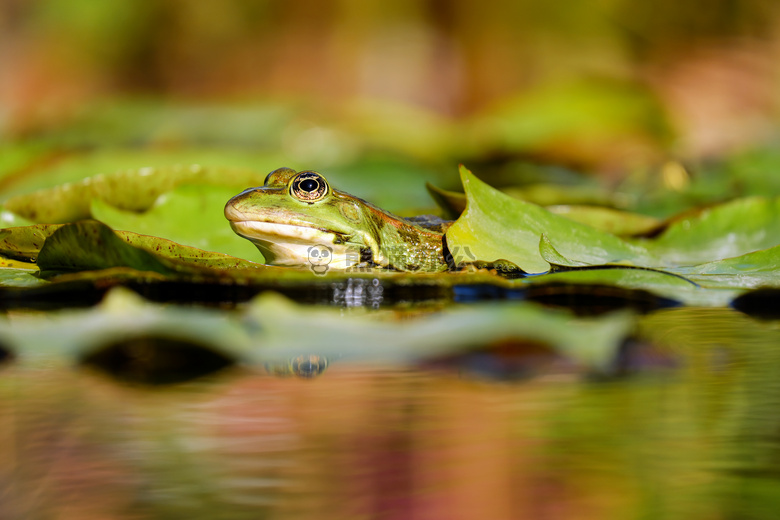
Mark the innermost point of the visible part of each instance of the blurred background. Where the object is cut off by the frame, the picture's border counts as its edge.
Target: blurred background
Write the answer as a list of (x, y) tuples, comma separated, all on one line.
[(669, 104), (607, 87)]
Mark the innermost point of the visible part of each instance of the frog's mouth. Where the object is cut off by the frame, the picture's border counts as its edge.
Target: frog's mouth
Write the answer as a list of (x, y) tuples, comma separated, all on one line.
[(291, 244)]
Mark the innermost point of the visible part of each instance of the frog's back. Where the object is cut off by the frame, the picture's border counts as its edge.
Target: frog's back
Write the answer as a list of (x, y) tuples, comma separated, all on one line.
[(430, 222)]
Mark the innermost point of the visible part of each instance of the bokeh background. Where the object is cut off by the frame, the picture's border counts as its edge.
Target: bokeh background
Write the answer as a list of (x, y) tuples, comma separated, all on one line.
[(667, 105), (607, 87)]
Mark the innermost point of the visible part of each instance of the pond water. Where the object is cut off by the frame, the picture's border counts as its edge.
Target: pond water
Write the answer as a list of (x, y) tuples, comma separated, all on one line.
[(686, 426)]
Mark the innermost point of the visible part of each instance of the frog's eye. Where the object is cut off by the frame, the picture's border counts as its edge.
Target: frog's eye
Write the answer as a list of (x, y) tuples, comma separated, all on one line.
[(309, 187)]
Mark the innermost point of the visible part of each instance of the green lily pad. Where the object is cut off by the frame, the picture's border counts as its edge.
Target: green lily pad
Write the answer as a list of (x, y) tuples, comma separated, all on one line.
[(24, 243), (756, 269), (553, 257), (706, 284), (617, 222), (675, 287), (91, 245), (607, 219), (15, 277), (497, 226), (189, 215), (131, 190), (724, 231), (9, 219)]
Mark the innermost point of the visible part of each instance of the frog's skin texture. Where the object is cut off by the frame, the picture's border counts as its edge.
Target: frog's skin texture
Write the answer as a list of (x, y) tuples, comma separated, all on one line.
[(294, 211)]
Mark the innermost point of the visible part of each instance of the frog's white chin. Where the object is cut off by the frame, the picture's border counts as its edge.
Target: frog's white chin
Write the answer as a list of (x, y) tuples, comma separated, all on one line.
[(289, 245)]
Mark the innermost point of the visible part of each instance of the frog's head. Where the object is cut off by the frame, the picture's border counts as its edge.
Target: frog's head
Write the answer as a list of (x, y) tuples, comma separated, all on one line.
[(294, 211)]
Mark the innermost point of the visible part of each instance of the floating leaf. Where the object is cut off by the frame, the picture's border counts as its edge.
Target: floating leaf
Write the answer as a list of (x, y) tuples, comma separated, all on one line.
[(496, 226), (756, 269), (724, 231), (90, 245), (553, 257), (611, 220), (132, 190), (606, 219), (188, 215), (554, 194), (24, 243), (451, 203), (9, 219), (19, 277)]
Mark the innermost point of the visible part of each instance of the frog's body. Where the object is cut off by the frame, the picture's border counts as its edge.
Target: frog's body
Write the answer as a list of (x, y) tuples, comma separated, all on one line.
[(296, 211)]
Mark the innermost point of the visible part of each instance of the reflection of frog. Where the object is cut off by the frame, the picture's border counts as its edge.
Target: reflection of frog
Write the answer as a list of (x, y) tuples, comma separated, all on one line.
[(294, 211), (305, 366)]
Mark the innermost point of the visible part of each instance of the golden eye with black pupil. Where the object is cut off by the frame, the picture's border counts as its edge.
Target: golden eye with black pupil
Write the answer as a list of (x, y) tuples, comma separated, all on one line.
[(309, 187)]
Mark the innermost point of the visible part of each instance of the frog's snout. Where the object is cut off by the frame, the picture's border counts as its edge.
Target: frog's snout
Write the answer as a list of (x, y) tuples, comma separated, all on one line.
[(232, 213)]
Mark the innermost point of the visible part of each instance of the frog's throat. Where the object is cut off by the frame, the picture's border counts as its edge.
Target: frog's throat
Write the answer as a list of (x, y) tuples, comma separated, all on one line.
[(290, 245)]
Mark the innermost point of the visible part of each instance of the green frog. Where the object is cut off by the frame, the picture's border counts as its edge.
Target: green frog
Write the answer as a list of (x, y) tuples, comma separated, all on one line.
[(298, 219)]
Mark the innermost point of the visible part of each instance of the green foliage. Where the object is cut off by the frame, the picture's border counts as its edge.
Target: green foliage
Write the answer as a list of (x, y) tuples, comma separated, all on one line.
[(169, 222), (188, 215), (132, 190), (497, 226), (724, 231)]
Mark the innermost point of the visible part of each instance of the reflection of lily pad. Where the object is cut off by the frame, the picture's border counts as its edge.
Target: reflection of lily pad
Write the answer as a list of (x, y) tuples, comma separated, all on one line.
[(269, 331)]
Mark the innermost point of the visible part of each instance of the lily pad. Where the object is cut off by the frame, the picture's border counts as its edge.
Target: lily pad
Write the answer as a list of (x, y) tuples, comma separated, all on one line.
[(664, 284), (497, 226), (90, 245), (189, 215), (132, 190), (607, 219), (724, 231), (9, 219), (24, 243), (617, 222), (19, 277), (756, 269)]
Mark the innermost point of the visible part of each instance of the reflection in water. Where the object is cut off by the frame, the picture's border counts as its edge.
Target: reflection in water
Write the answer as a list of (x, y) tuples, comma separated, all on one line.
[(358, 292), (304, 366), (762, 303), (156, 360), (698, 440)]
